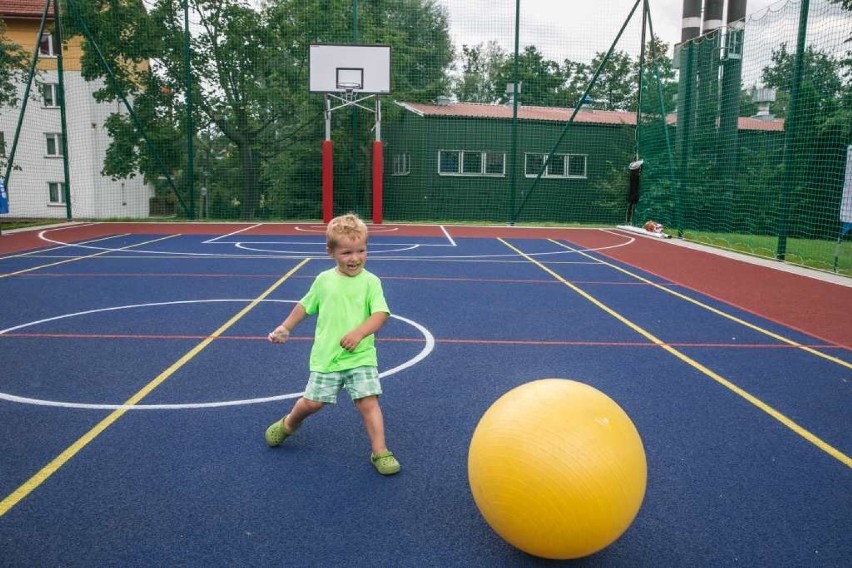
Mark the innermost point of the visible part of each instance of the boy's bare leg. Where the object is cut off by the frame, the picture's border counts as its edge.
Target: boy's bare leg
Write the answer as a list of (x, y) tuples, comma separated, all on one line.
[(301, 410), (374, 423)]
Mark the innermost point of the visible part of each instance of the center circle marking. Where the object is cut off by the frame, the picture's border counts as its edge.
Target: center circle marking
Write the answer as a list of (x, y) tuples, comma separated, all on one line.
[(427, 349)]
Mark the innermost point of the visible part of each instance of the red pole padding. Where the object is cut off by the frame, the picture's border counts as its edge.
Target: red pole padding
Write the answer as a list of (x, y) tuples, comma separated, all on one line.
[(327, 181), (378, 181)]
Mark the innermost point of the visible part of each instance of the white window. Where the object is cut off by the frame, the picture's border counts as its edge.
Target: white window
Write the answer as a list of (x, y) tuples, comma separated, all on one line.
[(495, 164), (577, 166), (54, 144), (533, 164), (45, 46), (449, 162), (401, 164), (50, 94), (471, 163), (56, 192), (734, 43), (457, 162), (568, 166)]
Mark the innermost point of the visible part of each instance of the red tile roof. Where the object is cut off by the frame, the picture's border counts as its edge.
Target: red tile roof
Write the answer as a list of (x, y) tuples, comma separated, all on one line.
[(23, 8), (774, 124), (557, 114), (525, 112)]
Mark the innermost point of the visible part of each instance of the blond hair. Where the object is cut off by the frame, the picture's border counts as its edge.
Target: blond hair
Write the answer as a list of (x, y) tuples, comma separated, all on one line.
[(348, 226)]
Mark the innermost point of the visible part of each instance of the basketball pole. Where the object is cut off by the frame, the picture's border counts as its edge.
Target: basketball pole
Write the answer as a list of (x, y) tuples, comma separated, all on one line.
[(349, 75), (328, 156), (378, 167), (327, 167)]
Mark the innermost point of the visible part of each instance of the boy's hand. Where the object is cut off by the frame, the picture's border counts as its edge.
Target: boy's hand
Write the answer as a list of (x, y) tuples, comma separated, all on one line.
[(351, 340), (279, 335)]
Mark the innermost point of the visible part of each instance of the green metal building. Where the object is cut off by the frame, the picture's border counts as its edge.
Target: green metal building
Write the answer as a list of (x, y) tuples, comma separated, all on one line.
[(483, 162)]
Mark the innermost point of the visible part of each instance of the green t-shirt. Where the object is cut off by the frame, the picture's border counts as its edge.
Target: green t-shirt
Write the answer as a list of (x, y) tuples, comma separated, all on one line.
[(342, 304)]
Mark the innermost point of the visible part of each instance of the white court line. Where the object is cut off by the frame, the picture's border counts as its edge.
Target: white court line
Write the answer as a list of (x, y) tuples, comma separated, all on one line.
[(373, 229), (58, 247), (373, 251), (427, 349), (287, 255), (447, 233), (214, 239)]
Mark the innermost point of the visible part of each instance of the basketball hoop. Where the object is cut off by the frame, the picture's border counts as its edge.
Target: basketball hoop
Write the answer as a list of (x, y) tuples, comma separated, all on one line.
[(348, 88)]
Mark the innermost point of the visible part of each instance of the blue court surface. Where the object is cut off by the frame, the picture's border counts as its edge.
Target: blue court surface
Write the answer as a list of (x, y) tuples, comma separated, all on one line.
[(137, 382)]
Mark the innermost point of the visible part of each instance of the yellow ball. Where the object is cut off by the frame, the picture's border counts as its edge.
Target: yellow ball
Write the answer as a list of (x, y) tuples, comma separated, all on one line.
[(557, 469)]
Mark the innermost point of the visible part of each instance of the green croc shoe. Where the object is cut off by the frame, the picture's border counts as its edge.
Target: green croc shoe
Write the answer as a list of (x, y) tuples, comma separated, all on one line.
[(276, 433), (385, 463)]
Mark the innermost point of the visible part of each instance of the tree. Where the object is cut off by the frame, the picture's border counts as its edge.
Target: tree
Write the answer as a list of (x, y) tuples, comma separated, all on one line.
[(617, 83), (658, 80), (486, 69), (542, 80), (419, 33), (821, 82), (480, 67), (823, 132), (13, 68), (249, 77)]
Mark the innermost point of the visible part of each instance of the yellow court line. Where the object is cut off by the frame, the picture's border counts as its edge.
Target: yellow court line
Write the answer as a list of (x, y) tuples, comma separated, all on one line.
[(807, 435), (76, 258), (716, 311), (32, 483)]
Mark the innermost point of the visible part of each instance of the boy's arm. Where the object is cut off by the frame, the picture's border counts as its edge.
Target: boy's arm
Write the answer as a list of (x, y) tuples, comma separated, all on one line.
[(370, 326), (282, 333)]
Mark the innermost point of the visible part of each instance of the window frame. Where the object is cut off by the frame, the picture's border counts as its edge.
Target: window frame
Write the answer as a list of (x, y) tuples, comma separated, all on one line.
[(401, 164), (46, 45), (56, 137), (54, 90), (567, 167), (59, 188), (485, 162)]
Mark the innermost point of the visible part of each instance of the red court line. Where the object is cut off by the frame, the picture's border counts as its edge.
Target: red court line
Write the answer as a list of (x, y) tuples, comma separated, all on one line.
[(150, 275), (266, 276), (530, 342)]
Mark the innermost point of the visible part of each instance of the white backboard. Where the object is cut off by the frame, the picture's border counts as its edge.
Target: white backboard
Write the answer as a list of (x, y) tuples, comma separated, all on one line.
[(354, 68)]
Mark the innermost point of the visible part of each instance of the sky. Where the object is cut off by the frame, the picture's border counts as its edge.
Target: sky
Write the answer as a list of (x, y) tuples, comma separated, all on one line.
[(573, 29)]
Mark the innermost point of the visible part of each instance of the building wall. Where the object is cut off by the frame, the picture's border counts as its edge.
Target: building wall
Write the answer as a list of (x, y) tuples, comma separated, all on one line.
[(423, 194), (92, 194)]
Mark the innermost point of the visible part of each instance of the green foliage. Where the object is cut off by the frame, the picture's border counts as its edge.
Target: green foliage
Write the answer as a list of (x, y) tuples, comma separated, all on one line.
[(248, 77), (821, 82), (13, 68), (486, 69), (480, 73)]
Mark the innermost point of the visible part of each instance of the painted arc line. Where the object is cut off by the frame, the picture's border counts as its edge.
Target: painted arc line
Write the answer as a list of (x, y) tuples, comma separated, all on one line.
[(427, 349), (43, 236), (322, 229), (243, 246)]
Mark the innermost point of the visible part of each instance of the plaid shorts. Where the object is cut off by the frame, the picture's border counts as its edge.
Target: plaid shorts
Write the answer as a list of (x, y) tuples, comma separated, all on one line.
[(360, 382)]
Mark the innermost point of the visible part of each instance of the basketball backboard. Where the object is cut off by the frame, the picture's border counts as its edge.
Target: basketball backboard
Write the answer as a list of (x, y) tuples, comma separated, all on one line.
[(349, 68)]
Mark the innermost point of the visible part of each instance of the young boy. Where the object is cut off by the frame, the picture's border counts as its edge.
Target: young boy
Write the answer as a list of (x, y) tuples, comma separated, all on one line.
[(351, 307)]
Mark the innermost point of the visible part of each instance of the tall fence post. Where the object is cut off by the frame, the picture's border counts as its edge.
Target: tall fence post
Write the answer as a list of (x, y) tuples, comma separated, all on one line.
[(60, 71), (790, 178)]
